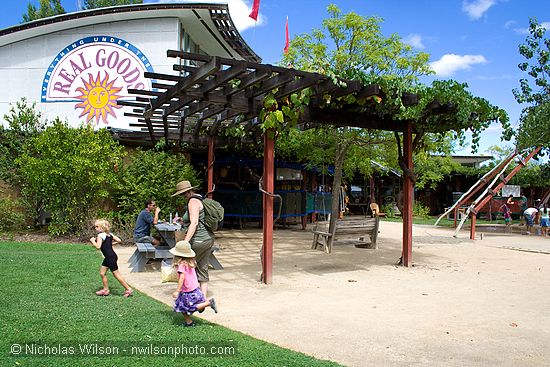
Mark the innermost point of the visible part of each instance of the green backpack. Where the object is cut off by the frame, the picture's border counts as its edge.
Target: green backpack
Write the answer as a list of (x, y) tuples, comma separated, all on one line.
[(213, 213)]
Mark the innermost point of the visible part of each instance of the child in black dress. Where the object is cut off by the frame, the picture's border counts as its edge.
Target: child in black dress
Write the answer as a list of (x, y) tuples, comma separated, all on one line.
[(104, 242)]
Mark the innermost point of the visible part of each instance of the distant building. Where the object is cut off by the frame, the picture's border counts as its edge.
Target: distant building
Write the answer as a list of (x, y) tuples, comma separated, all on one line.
[(471, 161)]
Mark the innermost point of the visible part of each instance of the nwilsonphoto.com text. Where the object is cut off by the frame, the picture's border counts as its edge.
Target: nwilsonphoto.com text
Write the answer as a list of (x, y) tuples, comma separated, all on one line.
[(127, 349)]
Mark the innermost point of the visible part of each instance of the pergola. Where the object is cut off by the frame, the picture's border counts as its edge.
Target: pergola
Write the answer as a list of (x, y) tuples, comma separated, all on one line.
[(207, 93)]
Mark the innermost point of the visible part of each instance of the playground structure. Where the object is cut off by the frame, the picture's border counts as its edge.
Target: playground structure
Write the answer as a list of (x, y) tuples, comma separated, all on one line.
[(493, 181)]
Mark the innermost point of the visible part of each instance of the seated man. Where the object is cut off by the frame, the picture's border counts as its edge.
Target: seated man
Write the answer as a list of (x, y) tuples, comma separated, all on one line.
[(142, 230)]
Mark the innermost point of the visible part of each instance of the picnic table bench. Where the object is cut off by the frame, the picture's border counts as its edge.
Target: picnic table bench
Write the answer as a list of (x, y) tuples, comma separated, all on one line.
[(357, 228), (146, 251)]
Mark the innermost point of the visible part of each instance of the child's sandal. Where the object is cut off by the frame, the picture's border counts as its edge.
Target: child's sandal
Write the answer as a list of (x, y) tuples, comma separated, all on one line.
[(128, 293), (213, 305), (102, 292)]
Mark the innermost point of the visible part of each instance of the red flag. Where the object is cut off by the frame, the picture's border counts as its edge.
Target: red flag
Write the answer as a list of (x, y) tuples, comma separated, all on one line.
[(287, 39), (255, 9)]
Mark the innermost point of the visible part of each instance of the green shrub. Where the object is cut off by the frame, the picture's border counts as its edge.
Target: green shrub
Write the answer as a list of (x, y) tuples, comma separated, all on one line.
[(151, 174), (67, 172), (388, 209), (12, 215), (420, 211), (23, 122)]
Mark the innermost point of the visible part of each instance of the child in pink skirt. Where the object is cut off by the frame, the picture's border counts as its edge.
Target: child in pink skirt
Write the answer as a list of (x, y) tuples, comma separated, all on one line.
[(189, 297)]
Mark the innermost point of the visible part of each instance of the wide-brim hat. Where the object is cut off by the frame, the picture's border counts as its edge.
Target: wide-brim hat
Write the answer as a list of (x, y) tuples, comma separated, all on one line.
[(182, 249), (182, 187)]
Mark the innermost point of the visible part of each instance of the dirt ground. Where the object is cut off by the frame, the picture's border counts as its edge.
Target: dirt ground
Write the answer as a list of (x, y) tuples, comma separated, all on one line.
[(462, 303)]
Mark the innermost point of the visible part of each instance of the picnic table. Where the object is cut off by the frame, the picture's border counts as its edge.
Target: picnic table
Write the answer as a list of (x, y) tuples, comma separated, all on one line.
[(167, 232), (146, 251)]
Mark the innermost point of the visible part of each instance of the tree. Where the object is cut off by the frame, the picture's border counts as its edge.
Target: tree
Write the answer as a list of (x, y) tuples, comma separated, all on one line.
[(95, 4), (352, 47), (151, 174), (47, 8), (67, 172), (24, 122), (534, 89)]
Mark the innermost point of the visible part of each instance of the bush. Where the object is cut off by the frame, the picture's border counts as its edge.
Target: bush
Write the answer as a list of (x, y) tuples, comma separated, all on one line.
[(420, 211), (23, 122), (67, 172), (388, 209), (151, 174), (12, 215)]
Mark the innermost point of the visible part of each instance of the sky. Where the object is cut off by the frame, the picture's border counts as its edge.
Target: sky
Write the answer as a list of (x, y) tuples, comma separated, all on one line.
[(471, 41)]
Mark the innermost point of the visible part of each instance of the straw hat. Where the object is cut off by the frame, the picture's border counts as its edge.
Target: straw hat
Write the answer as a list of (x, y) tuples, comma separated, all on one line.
[(182, 187), (183, 249)]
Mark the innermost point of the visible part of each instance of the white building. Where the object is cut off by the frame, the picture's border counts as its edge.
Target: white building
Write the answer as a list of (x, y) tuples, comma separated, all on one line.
[(77, 65)]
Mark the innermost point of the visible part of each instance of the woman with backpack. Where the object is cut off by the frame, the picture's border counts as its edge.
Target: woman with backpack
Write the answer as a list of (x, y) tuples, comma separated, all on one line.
[(200, 238)]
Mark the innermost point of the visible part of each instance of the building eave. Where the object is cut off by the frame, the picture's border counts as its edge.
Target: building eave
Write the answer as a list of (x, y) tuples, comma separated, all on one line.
[(208, 24)]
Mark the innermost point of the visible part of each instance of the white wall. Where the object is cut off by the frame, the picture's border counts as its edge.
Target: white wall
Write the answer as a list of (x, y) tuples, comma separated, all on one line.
[(23, 65)]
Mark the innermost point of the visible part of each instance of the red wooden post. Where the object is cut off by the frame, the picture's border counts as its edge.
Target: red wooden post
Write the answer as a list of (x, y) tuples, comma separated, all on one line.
[(315, 191), (473, 227), (269, 186), (210, 166), (371, 184), (407, 196)]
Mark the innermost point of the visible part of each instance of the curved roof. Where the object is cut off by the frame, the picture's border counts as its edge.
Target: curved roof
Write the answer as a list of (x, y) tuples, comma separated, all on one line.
[(209, 25)]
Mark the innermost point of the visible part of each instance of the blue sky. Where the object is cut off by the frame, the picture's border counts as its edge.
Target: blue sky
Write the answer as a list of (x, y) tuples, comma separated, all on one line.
[(472, 41)]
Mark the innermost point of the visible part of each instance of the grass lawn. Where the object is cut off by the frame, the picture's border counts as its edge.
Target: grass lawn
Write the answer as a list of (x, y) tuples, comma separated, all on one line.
[(48, 306)]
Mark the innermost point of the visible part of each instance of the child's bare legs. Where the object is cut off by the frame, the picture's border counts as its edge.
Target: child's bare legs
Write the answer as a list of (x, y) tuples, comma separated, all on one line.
[(102, 272), (121, 280), (209, 303), (202, 306), (187, 318), (204, 287)]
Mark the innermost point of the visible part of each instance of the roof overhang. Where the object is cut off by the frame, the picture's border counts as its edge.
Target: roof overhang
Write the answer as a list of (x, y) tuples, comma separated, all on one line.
[(209, 25), (474, 159)]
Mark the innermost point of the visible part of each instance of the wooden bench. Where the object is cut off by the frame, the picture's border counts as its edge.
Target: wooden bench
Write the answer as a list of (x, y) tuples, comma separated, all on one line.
[(356, 228), (146, 251)]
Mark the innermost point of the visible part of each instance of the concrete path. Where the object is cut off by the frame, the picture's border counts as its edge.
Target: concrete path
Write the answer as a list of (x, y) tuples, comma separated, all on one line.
[(462, 303)]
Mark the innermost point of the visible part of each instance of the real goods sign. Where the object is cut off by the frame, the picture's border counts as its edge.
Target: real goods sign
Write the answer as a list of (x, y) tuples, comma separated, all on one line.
[(93, 73)]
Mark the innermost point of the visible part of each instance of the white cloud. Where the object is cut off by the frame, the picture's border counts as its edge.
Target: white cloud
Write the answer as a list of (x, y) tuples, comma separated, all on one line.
[(509, 24), (450, 63), (521, 30), (476, 9), (238, 9), (525, 31), (415, 40)]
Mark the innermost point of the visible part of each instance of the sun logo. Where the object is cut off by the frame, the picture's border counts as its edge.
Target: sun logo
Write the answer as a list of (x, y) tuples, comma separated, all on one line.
[(98, 98)]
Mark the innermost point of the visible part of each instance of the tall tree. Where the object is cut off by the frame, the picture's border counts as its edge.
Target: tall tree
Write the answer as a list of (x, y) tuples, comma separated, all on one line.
[(351, 46), (47, 8), (534, 89), (95, 4)]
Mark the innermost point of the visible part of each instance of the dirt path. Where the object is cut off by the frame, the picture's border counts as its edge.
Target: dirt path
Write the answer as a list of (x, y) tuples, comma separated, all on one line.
[(463, 303)]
